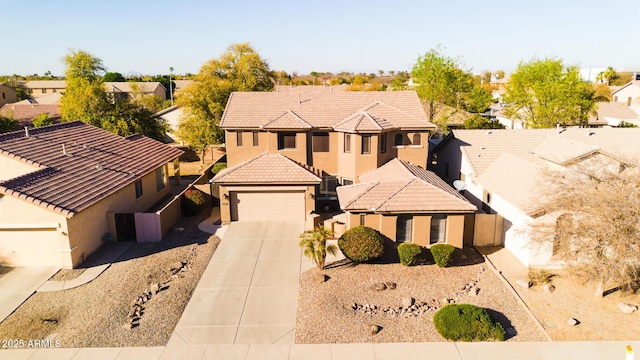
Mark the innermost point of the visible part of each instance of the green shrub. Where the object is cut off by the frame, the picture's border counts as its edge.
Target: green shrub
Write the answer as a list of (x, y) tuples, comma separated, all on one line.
[(218, 167), (540, 276), (361, 244), (42, 120), (442, 254), (464, 322), (409, 253), (193, 201)]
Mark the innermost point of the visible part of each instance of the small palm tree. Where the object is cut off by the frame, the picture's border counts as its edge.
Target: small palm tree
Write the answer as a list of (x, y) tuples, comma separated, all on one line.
[(314, 243)]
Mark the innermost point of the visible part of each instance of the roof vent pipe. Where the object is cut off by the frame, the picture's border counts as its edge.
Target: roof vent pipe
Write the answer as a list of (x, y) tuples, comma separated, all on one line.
[(26, 131), (558, 128), (64, 150)]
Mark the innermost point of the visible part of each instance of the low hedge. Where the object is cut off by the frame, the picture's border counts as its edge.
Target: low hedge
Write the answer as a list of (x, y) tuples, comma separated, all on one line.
[(442, 254), (409, 253), (361, 244), (465, 322), (218, 167)]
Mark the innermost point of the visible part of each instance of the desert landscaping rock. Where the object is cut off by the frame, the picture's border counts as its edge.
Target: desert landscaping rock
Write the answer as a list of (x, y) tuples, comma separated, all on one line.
[(407, 302), (97, 314), (379, 287), (573, 322), (343, 310), (548, 288), (390, 285), (375, 329), (627, 308)]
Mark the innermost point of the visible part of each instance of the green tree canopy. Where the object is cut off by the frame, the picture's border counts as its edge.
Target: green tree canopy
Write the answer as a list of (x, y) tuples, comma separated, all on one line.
[(544, 93), (86, 99), (113, 77), (440, 81), (7, 124), (240, 68)]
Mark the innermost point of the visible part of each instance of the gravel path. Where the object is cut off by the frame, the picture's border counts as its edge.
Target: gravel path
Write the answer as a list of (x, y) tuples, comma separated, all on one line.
[(326, 310), (93, 315)]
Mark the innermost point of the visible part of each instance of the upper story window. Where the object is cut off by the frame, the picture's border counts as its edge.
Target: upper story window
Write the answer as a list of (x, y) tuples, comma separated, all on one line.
[(366, 144), (347, 143), (383, 143), (417, 139), (320, 142), (138, 188), (239, 138), (398, 140), (256, 140), (3, 96), (44, 91), (161, 178), (286, 140)]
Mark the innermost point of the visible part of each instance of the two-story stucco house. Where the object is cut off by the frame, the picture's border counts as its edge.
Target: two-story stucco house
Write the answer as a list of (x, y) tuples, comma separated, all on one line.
[(67, 188), (292, 152)]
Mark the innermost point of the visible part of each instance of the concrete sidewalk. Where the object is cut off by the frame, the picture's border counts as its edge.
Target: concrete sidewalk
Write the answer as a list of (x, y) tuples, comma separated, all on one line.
[(588, 350)]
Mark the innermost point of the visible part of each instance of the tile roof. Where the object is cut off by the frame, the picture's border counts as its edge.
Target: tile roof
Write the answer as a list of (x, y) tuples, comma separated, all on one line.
[(287, 120), (482, 147), (510, 163), (267, 169), (78, 164), (324, 109), (45, 84), (127, 86), (611, 113), (402, 187), (26, 112)]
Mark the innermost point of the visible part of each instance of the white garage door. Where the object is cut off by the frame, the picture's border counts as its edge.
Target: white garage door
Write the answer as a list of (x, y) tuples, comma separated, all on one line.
[(289, 205), (30, 247)]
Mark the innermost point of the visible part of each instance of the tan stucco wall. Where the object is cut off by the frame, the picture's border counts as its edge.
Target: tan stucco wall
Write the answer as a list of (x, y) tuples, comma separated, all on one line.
[(225, 207), (421, 227), (31, 235), (13, 168), (237, 154), (346, 161), (327, 161), (87, 227), (455, 230), (7, 95)]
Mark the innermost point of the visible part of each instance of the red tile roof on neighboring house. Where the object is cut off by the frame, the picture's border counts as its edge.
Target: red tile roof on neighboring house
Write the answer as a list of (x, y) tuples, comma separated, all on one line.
[(401, 187), (25, 112), (267, 169), (394, 109), (78, 164)]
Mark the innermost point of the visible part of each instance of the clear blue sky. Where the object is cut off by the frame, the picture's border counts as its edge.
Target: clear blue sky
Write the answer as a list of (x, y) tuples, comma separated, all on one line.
[(149, 36)]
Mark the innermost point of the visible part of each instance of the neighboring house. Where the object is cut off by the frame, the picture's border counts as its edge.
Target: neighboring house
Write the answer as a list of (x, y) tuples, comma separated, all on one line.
[(180, 84), (51, 99), (512, 123), (611, 114), (66, 189), (288, 152), (130, 89), (7, 94), (37, 88), (25, 113), (120, 90), (502, 173), (172, 116), (629, 94)]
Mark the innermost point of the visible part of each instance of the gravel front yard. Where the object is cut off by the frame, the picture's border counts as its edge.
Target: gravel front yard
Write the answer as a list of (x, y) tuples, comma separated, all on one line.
[(93, 315), (326, 310)]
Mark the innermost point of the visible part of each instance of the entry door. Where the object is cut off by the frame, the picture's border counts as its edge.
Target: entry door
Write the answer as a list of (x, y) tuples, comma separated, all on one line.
[(403, 228)]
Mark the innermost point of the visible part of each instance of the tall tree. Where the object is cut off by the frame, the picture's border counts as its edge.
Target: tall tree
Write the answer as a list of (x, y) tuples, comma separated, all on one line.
[(597, 232), (240, 68), (86, 99), (85, 96), (113, 77), (7, 124), (544, 93)]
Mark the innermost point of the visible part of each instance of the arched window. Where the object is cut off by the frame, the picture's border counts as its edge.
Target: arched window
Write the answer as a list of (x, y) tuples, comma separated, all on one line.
[(416, 139), (398, 140)]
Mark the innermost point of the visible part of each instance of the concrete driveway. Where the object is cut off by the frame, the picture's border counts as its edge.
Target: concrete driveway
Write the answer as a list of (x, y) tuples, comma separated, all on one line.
[(248, 293), (18, 284)]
